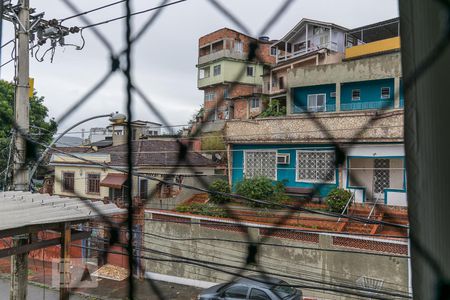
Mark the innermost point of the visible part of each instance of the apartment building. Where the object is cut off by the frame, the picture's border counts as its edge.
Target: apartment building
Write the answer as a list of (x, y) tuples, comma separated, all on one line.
[(230, 81)]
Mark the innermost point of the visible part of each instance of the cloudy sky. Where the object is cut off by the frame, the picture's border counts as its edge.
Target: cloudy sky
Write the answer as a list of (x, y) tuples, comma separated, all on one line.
[(165, 57)]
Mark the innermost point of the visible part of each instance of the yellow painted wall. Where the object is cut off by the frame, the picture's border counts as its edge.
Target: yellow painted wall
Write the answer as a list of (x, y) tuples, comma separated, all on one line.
[(80, 175), (374, 47)]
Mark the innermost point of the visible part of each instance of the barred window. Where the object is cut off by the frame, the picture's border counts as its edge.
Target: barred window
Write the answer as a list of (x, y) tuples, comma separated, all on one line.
[(93, 183), (68, 181), (260, 163), (316, 166)]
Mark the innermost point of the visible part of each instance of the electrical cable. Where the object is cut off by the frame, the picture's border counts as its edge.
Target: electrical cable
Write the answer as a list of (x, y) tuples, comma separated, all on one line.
[(7, 43), (248, 199), (219, 267), (90, 11), (132, 14), (171, 238)]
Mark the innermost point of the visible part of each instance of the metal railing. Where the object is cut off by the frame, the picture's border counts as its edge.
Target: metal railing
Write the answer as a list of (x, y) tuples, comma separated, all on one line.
[(309, 109), (373, 207), (360, 105), (345, 210)]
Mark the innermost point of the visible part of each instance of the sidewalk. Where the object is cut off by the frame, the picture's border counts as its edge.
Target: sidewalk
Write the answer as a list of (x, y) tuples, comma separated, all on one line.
[(40, 274)]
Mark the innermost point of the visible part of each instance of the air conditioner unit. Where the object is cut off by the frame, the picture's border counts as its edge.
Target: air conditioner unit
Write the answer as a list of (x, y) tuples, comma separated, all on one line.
[(333, 95), (283, 158)]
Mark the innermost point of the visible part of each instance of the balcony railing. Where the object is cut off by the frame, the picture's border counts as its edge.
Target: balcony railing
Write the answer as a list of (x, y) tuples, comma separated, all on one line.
[(320, 108), (330, 45), (358, 105)]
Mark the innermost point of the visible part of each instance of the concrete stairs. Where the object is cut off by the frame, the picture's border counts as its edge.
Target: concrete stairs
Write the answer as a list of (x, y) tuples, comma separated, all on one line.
[(381, 213), (198, 198)]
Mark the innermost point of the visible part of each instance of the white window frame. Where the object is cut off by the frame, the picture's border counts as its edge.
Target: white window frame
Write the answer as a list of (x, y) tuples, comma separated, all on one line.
[(297, 169), (261, 150), (314, 97), (204, 72), (388, 90), (356, 98), (219, 67), (238, 46), (252, 72), (272, 52), (253, 101), (286, 156)]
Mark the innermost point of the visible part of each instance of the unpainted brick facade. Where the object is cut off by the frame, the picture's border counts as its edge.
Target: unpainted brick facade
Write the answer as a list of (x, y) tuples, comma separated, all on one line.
[(232, 100)]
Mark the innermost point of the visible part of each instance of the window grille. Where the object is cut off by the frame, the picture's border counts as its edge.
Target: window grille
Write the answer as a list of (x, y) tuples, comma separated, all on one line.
[(316, 166), (260, 163)]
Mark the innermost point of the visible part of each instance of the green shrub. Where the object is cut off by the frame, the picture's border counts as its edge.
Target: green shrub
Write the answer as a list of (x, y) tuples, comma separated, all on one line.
[(204, 209), (337, 199), (274, 109), (261, 188), (219, 186)]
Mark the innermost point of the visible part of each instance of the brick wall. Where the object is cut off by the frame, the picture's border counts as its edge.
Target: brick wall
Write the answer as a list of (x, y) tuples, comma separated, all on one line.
[(230, 36), (241, 109), (288, 252)]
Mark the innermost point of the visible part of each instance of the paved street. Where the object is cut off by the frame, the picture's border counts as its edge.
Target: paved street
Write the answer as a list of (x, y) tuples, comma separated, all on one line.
[(34, 292)]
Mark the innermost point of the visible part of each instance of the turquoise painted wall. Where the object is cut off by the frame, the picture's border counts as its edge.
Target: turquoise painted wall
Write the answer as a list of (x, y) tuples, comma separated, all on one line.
[(370, 93), (300, 96), (285, 173), (402, 94)]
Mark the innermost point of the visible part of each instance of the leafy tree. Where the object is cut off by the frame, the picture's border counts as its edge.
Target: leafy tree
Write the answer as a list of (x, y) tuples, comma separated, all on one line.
[(41, 129)]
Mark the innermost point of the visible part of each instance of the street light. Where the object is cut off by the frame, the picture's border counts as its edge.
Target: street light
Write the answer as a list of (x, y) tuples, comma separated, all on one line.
[(115, 118)]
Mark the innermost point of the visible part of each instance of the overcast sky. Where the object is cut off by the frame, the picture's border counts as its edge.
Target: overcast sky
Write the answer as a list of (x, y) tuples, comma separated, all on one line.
[(165, 57)]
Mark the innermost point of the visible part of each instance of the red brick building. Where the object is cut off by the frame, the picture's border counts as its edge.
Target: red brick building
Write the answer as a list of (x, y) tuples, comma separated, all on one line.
[(230, 79)]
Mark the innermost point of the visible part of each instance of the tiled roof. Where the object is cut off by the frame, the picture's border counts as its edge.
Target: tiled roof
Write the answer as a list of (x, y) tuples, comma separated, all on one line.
[(154, 153)]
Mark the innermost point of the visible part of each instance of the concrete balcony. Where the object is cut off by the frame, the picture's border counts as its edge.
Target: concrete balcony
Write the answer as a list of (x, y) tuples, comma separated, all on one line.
[(225, 53)]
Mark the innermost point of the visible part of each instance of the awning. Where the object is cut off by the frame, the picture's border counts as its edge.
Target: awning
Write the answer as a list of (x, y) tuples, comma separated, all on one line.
[(115, 181)]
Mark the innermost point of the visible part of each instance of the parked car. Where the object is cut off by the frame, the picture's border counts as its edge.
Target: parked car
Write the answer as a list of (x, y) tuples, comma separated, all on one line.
[(252, 288)]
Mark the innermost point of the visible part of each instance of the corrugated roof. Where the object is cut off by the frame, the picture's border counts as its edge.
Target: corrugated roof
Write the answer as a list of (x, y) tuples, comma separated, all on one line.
[(20, 209)]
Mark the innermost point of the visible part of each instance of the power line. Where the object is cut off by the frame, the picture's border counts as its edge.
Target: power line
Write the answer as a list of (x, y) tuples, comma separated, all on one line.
[(90, 11), (248, 199), (172, 238), (7, 43), (219, 267), (296, 230), (132, 14)]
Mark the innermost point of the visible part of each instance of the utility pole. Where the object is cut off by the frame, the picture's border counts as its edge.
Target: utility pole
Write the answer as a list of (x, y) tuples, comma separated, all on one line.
[(19, 262), (21, 103), (425, 38)]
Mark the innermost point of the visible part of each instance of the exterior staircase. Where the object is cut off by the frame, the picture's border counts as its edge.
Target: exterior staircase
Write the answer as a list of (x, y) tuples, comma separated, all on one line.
[(381, 213), (198, 198)]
